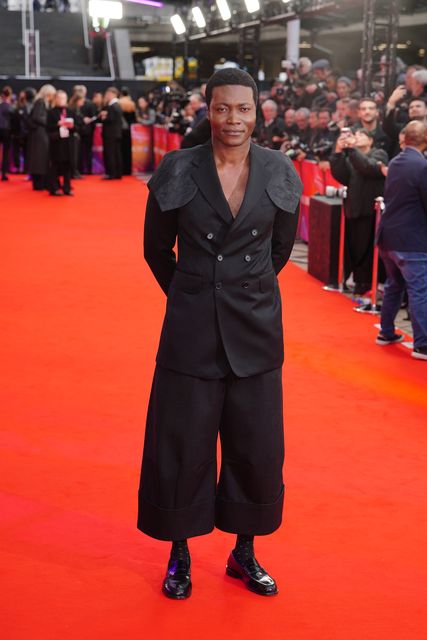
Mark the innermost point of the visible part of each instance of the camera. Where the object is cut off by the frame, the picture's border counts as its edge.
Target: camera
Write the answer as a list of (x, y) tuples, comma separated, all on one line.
[(323, 149), (292, 146), (335, 192)]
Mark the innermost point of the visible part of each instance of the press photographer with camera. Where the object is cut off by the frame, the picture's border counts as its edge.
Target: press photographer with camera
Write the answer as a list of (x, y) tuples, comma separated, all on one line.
[(270, 129), (356, 163), (397, 117), (324, 137), (297, 146)]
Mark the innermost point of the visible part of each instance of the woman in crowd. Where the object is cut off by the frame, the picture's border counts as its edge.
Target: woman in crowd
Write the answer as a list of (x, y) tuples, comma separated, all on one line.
[(128, 108), (60, 128), (38, 139), (75, 105), (144, 113), (6, 110)]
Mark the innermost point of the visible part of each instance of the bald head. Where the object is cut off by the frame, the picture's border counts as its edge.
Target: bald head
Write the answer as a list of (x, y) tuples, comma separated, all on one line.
[(416, 135)]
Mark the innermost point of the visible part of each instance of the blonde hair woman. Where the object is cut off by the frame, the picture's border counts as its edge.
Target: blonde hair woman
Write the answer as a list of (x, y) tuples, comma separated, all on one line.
[(38, 139)]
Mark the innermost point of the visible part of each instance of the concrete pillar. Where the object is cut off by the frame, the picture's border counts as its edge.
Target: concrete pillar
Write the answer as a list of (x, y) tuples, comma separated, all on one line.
[(124, 54), (292, 40)]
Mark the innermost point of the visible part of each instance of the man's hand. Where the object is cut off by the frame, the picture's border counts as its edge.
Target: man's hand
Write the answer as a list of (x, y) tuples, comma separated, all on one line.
[(103, 114), (397, 95), (345, 141), (383, 168)]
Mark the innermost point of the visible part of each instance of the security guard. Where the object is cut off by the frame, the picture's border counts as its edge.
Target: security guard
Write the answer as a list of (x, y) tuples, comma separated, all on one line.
[(233, 207)]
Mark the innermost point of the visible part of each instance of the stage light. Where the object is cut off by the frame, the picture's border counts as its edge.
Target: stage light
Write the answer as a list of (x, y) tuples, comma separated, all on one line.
[(224, 9), (199, 18), (178, 24), (252, 5), (105, 9), (149, 3)]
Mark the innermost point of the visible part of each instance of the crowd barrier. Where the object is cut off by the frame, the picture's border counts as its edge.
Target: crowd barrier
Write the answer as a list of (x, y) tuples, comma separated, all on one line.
[(149, 143)]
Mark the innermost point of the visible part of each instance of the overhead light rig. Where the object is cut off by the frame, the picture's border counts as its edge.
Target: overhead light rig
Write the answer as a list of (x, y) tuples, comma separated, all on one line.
[(206, 19)]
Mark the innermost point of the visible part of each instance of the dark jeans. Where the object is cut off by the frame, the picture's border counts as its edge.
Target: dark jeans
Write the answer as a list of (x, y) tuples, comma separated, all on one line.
[(405, 270), (179, 496)]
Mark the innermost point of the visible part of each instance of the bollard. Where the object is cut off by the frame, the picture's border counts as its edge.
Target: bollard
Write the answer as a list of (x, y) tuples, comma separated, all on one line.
[(372, 307), (333, 192)]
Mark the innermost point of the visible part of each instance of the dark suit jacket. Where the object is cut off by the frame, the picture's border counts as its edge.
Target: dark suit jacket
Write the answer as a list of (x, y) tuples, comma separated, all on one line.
[(112, 126), (403, 226), (362, 175), (223, 294)]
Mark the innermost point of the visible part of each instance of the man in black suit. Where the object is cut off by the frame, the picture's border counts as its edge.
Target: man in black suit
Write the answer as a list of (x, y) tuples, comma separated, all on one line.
[(402, 239), (112, 126), (89, 113), (233, 207)]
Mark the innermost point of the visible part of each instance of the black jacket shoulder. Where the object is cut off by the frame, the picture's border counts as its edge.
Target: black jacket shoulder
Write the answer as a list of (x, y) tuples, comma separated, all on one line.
[(173, 186)]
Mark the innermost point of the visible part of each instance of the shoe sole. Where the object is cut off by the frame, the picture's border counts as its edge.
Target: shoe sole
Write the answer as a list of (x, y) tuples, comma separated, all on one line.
[(385, 343), (419, 356), (234, 574)]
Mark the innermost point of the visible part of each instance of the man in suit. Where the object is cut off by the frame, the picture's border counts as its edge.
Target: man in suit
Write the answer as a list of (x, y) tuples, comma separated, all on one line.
[(402, 239), (233, 207), (112, 127), (89, 113)]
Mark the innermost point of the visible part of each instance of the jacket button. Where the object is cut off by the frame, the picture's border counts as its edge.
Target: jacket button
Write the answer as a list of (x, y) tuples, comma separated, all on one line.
[(210, 236), (220, 258), (254, 232), (248, 258), (245, 285), (218, 285)]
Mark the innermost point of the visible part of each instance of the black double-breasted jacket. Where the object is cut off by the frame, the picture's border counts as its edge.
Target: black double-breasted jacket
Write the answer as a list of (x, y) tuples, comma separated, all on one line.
[(223, 300)]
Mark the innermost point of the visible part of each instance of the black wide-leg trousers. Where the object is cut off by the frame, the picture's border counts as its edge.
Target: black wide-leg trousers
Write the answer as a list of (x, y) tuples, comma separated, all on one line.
[(179, 495)]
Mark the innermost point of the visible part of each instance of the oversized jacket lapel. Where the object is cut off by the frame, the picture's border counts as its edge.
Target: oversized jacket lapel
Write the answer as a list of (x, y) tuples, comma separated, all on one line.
[(206, 177), (258, 179)]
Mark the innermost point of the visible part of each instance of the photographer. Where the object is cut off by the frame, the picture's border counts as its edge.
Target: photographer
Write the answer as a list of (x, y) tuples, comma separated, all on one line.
[(199, 108), (356, 164), (324, 138), (297, 146), (270, 131), (396, 118)]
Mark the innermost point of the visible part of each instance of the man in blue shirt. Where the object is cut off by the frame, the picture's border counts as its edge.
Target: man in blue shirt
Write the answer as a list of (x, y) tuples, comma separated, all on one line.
[(402, 239)]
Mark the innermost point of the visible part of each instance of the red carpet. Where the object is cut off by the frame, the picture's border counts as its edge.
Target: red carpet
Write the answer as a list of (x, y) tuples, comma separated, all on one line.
[(80, 318)]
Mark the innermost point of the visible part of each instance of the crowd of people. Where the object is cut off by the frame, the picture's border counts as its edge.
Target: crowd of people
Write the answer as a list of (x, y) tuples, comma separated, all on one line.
[(50, 135), (316, 113)]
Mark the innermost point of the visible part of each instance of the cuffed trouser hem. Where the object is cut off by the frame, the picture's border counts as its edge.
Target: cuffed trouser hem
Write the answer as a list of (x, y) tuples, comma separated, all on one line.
[(175, 524), (248, 517)]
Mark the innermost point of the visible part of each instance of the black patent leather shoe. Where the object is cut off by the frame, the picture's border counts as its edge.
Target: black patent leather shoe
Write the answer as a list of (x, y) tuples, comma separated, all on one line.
[(253, 575), (177, 582)]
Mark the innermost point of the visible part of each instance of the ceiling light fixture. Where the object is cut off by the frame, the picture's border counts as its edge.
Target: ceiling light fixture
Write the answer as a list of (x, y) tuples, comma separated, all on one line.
[(178, 24)]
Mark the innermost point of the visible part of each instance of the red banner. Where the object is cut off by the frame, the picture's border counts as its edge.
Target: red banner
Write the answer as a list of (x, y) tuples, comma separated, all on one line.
[(142, 148), (160, 143), (174, 141)]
